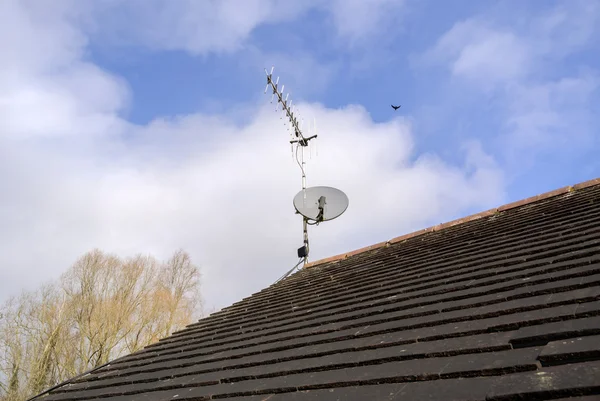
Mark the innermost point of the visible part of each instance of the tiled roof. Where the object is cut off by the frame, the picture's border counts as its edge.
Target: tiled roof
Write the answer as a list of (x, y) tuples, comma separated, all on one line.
[(477, 216), (503, 306)]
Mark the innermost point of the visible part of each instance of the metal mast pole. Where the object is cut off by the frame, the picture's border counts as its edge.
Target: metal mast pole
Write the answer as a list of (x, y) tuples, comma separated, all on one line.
[(304, 219)]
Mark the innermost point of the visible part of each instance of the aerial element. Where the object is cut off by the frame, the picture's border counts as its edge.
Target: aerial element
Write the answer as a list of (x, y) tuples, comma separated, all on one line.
[(396, 107)]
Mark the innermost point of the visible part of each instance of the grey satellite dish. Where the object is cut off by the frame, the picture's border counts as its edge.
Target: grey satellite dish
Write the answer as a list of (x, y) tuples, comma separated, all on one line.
[(321, 203)]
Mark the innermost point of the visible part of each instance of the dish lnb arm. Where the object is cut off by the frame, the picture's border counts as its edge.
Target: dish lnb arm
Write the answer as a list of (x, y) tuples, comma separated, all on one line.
[(322, 203)]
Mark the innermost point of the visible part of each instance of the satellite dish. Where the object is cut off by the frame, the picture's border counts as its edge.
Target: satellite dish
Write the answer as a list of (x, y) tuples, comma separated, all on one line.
[(321, 203)]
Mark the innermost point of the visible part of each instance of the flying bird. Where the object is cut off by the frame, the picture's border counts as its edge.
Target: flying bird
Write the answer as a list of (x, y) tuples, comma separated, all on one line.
[(396, 107)]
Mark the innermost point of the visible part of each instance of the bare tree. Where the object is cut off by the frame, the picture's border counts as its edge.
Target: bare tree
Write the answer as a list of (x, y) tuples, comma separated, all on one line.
[(12, 358), (178, 282), (29, 332), (49, 319), (102, 308)]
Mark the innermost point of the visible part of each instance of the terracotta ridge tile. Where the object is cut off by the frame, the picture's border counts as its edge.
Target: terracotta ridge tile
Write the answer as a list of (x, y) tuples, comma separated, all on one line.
[(476, 216), (535, 198), (342, 256), (586, 184)]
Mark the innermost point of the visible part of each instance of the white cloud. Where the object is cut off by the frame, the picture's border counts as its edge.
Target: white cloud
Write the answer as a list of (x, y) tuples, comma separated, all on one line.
[(197, 27), (79, 100), (546, 108), (480, 60), (230, 207), (25, 45), (567, 28), (489, 51), (223, 26), (42, 68), (554, 114), (76, 176), (358, 21), (480, 53)]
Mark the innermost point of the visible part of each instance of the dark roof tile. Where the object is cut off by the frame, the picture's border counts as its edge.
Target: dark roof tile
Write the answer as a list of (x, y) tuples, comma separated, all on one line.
[(571, 349), (565, 380), (541, 334)]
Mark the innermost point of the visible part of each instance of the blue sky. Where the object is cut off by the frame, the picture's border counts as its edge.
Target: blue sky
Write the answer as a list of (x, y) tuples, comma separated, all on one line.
[(385, 69), (141, 126)]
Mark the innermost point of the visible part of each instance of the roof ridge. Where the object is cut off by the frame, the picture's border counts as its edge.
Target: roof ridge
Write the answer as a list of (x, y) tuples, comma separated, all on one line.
[(476, 216)]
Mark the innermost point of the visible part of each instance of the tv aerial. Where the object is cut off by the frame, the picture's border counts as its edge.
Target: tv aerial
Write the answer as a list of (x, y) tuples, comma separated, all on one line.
[(314, 204)]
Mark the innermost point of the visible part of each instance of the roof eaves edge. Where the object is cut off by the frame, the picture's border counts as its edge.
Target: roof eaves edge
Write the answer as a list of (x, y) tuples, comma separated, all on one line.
[(462, 220)]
